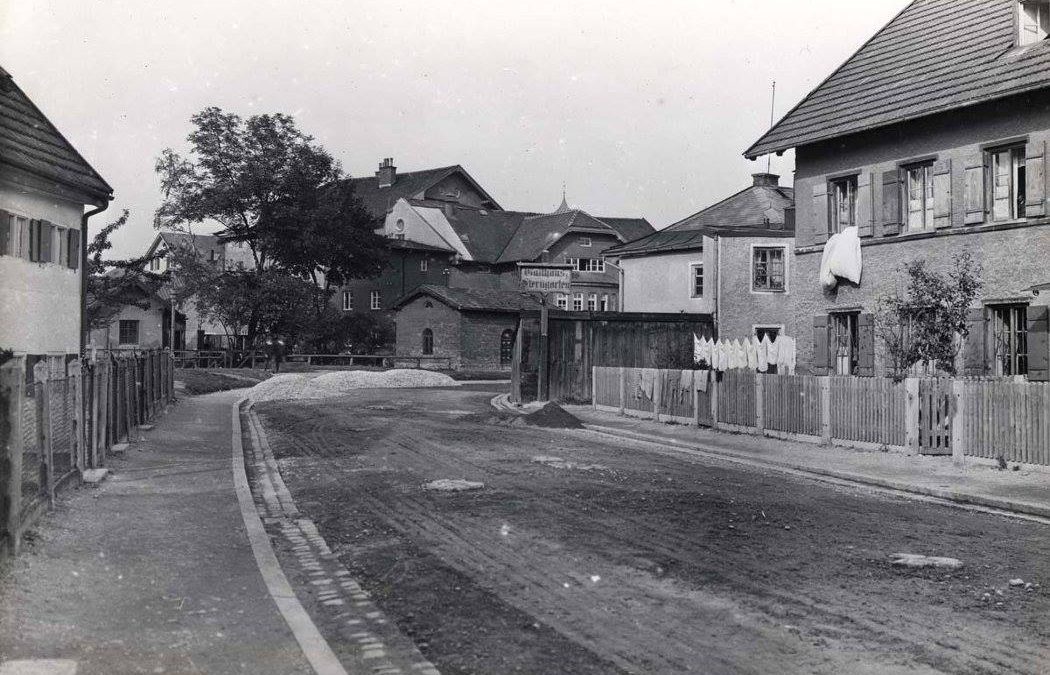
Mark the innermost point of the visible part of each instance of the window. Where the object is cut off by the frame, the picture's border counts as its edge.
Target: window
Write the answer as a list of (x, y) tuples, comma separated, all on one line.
[(842, 342), (1033, 21), (918, 196), (586, 264), (129, 332), (696, 280), (20, 237), (506, 347), (561, 301), (767, 270), (211, 255), (399, 226), (373, 300), (1009, 328), (424, 265), (154, 263), (585, 242), (428, 341), (843, 204), (1008, 182), (592, 302), (604, 306), (348, 301), (577, 302)]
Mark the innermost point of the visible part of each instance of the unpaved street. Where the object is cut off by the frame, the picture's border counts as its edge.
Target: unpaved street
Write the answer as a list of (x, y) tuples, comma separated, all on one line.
[(583, 555)]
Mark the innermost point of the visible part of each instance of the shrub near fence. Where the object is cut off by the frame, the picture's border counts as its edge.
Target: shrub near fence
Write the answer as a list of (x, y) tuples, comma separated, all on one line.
[(980, 418), (64, 416)]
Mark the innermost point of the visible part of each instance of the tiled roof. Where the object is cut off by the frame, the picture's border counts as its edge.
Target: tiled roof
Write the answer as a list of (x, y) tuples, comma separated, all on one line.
[(473, 299), (537, 233), (30, 142), (485, 233), (936, 55), (757, 211), (407, 185)]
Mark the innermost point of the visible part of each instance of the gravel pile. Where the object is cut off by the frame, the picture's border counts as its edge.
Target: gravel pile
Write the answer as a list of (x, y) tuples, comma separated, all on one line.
[(553, 416), (292, 386)]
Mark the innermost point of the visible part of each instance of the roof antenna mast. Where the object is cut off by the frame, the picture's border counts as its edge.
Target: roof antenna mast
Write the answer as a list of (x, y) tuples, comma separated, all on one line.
[(772, 107)]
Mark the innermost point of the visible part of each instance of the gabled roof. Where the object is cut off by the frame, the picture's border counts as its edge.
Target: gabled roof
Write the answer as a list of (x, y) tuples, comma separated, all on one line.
[(538, 233), (201, 242), (407, 185), (516, 236), (935, 56), (472, 299), (29, 141), (483, 232), (756, 211)]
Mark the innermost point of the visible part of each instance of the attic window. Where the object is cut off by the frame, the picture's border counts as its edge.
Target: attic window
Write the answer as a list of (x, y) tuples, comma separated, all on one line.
[(464, 238), (1033, 21)]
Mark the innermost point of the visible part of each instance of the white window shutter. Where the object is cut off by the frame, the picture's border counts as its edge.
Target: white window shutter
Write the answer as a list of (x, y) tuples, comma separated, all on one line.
[(942, 193), (865, 205), (1035, 180)]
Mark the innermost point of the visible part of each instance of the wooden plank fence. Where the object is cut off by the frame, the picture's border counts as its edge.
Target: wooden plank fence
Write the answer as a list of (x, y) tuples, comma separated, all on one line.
[(64, 415), (991, 418)]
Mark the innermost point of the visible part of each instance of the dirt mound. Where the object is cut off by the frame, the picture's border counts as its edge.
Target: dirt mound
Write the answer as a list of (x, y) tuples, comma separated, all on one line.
[(328, 384), (553, 416)]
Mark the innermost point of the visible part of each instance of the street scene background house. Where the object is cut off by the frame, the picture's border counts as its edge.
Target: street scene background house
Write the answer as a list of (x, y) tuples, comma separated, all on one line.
[(45, 185), (931, 140)]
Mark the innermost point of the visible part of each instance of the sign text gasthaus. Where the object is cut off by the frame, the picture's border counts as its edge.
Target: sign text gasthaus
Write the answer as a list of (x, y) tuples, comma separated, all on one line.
[(546, 279)]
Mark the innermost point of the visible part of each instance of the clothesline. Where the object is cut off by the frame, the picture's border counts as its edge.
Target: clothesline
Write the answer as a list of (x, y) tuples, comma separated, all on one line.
[(747, 354)]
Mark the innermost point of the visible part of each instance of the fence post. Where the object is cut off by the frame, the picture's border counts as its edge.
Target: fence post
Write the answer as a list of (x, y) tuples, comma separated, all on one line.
[(623, 390), (78, 402), (42, 394), (695, 394), (594, 386), (958, 422), (825, 410), (12, 386), (911, 414), (760, 417), (96, 392), (713, 388), (658, 396)]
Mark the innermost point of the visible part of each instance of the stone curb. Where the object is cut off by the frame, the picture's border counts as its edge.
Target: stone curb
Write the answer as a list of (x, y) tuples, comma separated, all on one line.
[(1008, 506), (315, 648)]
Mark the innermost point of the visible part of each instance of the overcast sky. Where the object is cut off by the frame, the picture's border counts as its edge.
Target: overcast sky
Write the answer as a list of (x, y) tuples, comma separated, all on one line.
[(641, 109)]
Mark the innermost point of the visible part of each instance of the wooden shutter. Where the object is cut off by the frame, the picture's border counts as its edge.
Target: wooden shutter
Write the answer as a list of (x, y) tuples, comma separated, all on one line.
[(46, 240), (821, 353), (6, 223), (34, 240), (25, 233), (865, 205), (942, 193), (1035, 180), (819, 232), (61, 253), (975, 190), (866, 345), (73, 249), (1039, 343), (891, 203), (973, 350)]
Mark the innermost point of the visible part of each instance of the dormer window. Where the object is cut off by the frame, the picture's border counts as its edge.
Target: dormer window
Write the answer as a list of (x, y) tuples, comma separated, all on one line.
[(1033, 21)]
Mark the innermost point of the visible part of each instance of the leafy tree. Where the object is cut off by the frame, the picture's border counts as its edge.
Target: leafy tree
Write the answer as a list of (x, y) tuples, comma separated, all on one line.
[(273, 188), (926, 320), (113, 284)]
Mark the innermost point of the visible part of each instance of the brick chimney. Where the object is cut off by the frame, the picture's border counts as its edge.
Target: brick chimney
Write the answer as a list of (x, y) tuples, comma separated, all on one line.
[(387, 172), (766, 179)]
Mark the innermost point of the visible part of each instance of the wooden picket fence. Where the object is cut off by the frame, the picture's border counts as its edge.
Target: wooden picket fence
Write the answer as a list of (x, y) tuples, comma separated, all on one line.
[(65, 415), (932, 416)]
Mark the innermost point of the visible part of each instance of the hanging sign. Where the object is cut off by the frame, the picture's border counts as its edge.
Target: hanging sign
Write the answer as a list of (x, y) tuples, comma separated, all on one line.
[(539, 278)]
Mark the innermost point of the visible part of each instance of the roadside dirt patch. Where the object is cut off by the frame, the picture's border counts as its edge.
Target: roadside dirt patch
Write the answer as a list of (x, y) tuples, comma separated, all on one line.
[(553, 416), (452, 485), (559, 463)]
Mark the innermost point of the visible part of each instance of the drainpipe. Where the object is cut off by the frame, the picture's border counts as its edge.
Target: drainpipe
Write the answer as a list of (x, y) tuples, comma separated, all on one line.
[(83, 275)]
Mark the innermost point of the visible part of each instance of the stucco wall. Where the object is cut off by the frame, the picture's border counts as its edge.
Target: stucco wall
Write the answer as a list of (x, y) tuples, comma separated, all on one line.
[(664, 283), (39, 302), (742, 308), (151, 326), (466, 193), (1013, 255)]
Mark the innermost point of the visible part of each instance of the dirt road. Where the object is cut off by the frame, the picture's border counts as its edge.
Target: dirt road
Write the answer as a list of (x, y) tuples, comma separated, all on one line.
[(581, 555)]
